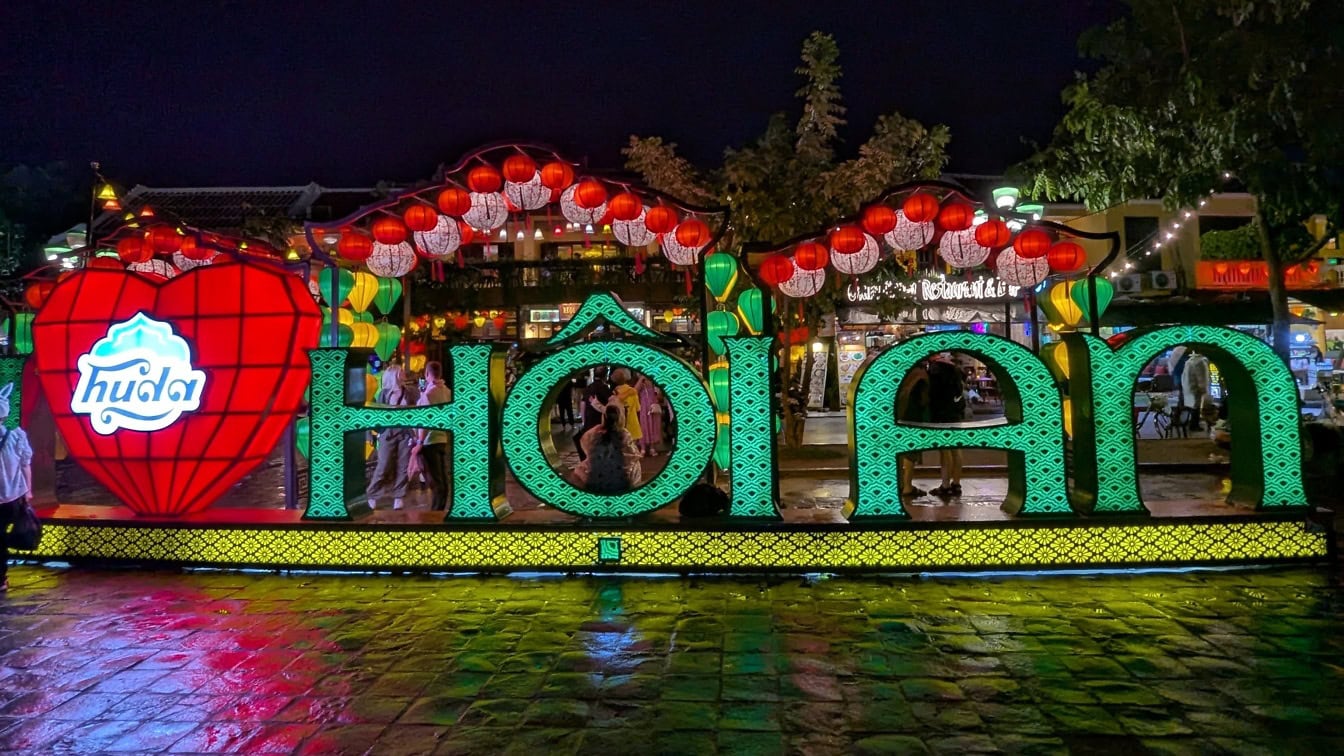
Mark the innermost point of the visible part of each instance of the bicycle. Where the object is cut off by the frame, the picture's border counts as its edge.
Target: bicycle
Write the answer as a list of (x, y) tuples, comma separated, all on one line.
[(1157, 410)]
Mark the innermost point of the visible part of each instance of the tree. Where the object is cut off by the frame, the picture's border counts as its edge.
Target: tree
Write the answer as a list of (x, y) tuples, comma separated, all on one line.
[(36, 203), (1194, 93), (790, 182)]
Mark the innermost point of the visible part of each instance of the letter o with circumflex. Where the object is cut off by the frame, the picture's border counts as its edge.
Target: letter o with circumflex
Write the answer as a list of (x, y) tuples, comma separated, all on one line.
[(527, 441)]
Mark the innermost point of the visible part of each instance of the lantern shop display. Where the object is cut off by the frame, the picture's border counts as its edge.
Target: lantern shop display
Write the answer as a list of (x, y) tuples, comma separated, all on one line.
[(909, 234), (859, 262), (391, 260), (1016, 270), (960, 249)]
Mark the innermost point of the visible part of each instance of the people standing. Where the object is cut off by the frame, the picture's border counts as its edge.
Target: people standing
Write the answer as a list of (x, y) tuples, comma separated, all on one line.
[(564, 401), (650, 415), (16, 479), (912, 406), (432, 444), (628, 397), (595, 399), (611, 464), (947, 404), (390, 477)]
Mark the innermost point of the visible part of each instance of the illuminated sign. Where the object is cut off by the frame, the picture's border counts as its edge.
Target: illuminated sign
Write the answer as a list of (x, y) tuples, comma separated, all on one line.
[(979, 289), (138, 377)]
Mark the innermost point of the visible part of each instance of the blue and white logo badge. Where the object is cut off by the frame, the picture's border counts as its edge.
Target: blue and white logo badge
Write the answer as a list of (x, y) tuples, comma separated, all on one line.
[(137, 377)]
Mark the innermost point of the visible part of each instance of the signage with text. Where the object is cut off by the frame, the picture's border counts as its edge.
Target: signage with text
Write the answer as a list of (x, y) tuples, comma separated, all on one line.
[(979, 289)]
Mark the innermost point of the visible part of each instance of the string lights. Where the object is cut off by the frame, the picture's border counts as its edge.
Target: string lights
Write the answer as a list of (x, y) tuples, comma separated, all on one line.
[(1171, 232)]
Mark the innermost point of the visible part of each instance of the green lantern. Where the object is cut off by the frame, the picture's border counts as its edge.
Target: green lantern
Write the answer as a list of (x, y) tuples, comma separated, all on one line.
[(23, 332), (751, 310), (364, 317), (722, 448), (345, 281), (389, 291), (718, 384), (720, 274), (1083, 297), (345, 335), (389, 336), (302, 436), (718, 325)]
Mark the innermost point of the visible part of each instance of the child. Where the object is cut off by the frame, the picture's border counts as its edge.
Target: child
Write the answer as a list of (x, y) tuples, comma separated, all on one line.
[(16, 479)]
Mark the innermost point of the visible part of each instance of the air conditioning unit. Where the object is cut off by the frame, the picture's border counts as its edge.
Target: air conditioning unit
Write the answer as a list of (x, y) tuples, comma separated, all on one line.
[(1163, 279), (1130, 284)]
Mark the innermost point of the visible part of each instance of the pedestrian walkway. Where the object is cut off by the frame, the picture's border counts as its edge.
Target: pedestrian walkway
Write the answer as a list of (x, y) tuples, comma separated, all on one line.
[(1197, 662)]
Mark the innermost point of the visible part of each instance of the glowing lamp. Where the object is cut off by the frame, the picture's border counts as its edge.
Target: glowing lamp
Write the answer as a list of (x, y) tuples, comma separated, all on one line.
[(163, 239), (557, 175), (720, 274), (498, 321), (813, 256), (484, 179), (1062, 310), (993, 233), (776, 269), (1032, 243), (454, 201), (625, 206), (720, 324), (751, 310), (692, 232), (1005, 197), (389, 230), (846, 240), (479, 320), (420, 218), (1066, 257), (955, 216), (590, 194), (661, 219), (718, 384), (920, 207), (1081, 295), (363, 292), (878, 219), (345, 281), (354, 246), (133, 249), (519, 169)]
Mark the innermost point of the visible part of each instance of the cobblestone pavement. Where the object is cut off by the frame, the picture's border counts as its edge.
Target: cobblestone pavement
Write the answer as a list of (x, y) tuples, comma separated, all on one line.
[(1205, 662)]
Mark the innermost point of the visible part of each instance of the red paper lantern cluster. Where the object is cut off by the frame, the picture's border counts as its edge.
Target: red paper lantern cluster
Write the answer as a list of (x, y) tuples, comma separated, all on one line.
[(661, 219), (1066, 257), (354, 246), (454, 201), (589, 194), (625, 207), (776, 269), (846, 240), (693, 233), (1032, 243), (878, 219), (484, 178), (163, 239), (993, 234), (133, 249), (519, 169), (557, 176), (955, 216), (389, 230), (920, 207), (420, 218), (813, 256)]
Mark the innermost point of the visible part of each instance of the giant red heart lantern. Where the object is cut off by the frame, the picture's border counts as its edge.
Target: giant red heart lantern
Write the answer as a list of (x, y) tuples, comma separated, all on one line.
[(170, 392)]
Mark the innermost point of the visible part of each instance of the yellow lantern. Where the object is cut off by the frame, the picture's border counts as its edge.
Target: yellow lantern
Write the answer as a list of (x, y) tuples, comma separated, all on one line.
[(362, 293), (417, 363), (366, 335), (370, 388), (345, 317), (669, 316), (1068, 417), (1067, 311), (479, 320), (1059, 357)]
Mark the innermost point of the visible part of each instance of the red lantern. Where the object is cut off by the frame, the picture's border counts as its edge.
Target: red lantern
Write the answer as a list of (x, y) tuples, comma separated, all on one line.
[(454, 201), (557, 176), (484, 178), (519, 169), (420, 218), (37, 293), (1066, 257), (799, 335), (1244, 268), (846, 240), (993, 234), (192, 250), (133, 249), (499, 323), (693, 233), (955, 216), (625, 206), (920, 207), (461, 322), (1220, 269), (589, 194), (467, 233), (878, 219), (1032, 243), (776, 269), (354, 246), (107, 263), (164, 239), (813, 256), (389, 230), (661, 219)]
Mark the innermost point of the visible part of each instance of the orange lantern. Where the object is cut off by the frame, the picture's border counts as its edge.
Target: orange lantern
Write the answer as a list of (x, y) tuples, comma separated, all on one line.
[(776, 269), (1220, 269), (693, 233), (37, 293), (163, 238), (878, 219), (354, 246), (625, 206), (661, 219), (813, 256), (484, 178), (590, 193), (192, 250), (557, 176), (133, 249), (955, 216), (519, 169), (1244, 268), (920, 207), (454, 201), (1032, 243), (846, 240), (420, 218), (1066, 257), (389, 230), (993, 234)]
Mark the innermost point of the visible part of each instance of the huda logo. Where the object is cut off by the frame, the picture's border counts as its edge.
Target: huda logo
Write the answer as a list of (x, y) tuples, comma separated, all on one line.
[(138, 377)]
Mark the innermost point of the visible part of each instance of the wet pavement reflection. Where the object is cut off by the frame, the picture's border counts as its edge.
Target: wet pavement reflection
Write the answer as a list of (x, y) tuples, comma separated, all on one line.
[(1202, 662)]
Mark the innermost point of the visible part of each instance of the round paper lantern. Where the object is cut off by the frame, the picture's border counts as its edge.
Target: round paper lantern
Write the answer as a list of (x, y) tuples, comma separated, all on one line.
[(528, 195), (420, 217), (751, 310), (133, 249), (391, 260), (1059, 357), (1032, 243), (661, 219), (846, 240), (388, 230), (878, 219), (345, 280), (440, 242), (813, 256), (154, 268), (465, 231), (719, 384), (860, 262), (164, 239), (692, 232), (1016, 270), (633, 233), (961, 250), (488, 211), (1066, 256), (1083, 296), (344, 336), (678, 253), (625, 206), (354, 246), (484, 179), (519, 169), (365, 335), (908, 234), (557, 175), (955, 216), (720, 274), (804, 283), (389, 337), (362, 293), (718, 325), (576, 213), (920, 207), (184, 263), (389, 291), (993, 234), (37, 293), (454, 201), (776, 269), (194, 250), (590, 194)]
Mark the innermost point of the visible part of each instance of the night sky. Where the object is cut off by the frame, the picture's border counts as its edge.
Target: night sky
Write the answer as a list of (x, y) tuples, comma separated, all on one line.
[(231, 93)]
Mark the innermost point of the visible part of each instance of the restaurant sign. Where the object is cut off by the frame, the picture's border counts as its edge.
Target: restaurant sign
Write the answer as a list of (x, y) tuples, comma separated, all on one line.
[(940, 289)]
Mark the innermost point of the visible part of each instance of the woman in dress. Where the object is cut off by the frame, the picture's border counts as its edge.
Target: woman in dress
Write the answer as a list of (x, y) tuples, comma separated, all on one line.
[(627, 397), (611, 462), (650, 416)]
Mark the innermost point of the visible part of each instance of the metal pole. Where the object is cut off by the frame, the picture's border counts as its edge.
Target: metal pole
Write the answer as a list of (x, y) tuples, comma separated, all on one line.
[(291, 468), (1093, 317), (1035, 326)]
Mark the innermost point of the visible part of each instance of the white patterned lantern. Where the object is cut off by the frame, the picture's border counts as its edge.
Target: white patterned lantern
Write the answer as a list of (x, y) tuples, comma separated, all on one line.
[(804, 283), (676, 252), (908, 234), (856, 263), (314, 288), (487, 211), (633, 233), (391, 260), (185, 263), (440, 242), (961, 250), (576, 213), (1015, 270), (154, 267), (529, 195)]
